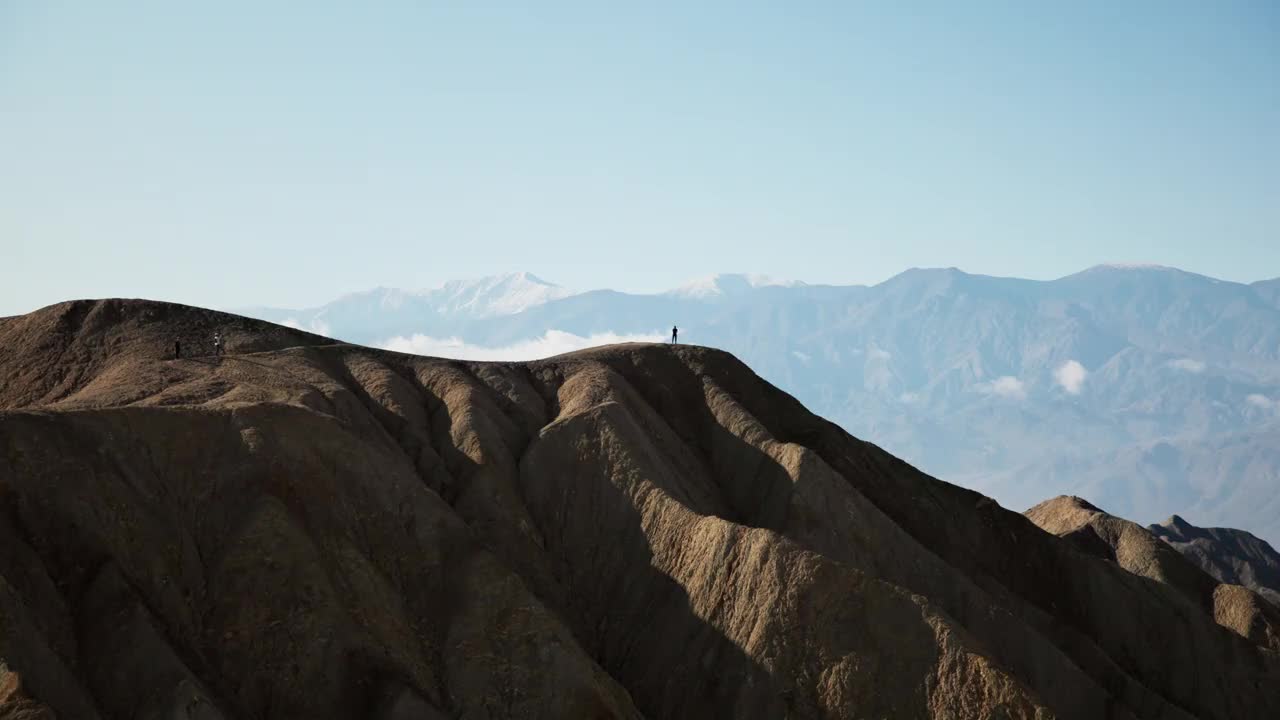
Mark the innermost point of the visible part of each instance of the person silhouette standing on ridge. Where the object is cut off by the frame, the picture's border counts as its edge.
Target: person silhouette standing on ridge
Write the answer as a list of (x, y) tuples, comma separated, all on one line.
[(675, 331)]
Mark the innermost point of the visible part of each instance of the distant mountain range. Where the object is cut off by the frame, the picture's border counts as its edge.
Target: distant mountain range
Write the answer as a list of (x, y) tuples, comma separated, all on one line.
[(1148, 390), (383, 312)]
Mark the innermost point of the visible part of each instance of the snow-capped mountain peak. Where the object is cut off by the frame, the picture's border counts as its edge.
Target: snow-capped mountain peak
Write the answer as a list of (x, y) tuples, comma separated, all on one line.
[(1131, 266), (726, 285), (505, 294)]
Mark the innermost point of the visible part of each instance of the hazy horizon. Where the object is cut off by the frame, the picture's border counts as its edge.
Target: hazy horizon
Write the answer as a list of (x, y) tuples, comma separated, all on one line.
[(249, 303), (236, 153)]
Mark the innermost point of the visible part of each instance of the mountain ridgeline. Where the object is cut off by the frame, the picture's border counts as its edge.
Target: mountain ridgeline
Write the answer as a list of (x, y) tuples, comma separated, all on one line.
[(1141, 551), (1149, 390), (303, 528), (1231, 556)]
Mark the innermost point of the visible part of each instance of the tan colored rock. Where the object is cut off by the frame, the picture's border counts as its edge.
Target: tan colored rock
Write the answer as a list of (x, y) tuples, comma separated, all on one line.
[(306, 529), (1137, 550), (1235, 557), (14, 703)]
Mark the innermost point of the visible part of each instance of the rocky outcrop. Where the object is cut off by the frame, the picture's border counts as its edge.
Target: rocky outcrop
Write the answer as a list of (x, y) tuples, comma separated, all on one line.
[(1137, 550), (306, 529), (14, 703), (1232, 556)]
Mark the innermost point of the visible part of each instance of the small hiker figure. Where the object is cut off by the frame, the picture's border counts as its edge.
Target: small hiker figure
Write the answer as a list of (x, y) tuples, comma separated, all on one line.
[(217, 344), (675, 331), (177, 349)]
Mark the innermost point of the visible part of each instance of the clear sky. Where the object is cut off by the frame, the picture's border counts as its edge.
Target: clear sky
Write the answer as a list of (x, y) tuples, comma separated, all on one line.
[(236, 153)]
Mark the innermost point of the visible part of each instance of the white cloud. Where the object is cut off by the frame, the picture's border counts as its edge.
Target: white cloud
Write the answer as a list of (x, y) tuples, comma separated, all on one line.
[(1193, 366), (1071, 375), (909, 397), (1005, 386), (1261, 401), (554, 342), (876, 353), (318, 327), (802, 357)]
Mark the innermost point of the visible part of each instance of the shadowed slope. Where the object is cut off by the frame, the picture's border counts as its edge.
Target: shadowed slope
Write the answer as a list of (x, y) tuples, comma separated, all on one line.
[(310, 529), (1232, 556), (1137, 550)]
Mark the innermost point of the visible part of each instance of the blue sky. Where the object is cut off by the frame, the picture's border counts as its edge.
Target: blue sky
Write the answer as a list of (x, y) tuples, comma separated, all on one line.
[(236, 154)]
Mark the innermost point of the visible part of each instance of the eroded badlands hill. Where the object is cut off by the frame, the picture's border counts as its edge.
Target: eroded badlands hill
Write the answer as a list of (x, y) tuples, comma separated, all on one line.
[(304, 529), (1232, 556), (1139, 551)]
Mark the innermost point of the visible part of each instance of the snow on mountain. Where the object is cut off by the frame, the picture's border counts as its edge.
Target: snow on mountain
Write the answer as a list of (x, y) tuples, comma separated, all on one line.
[(728, 285), (494, 295), (1131, 266), (375, 315)]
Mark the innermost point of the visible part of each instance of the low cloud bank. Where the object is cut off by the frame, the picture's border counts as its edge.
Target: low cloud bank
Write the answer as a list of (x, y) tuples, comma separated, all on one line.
[(316, 326), (553, 342)]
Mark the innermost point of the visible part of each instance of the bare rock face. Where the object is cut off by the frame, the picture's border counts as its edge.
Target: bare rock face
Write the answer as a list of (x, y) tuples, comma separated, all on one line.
[(1232, 556), (14, 703), (1137, 550), (307, 529)]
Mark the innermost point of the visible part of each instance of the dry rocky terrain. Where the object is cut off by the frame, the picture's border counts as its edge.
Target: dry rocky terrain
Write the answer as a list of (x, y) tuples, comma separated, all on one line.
[(1232, 556), (308, 529), (1139, 551)]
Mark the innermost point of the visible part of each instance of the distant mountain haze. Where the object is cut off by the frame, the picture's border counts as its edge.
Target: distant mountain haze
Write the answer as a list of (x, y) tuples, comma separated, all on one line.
[(305, 528), (1146, 389)]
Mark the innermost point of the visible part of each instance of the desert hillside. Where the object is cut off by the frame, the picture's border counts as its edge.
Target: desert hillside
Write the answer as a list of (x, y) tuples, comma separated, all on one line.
[(1140, 551), (1232, 556), (1173, 404), (308, 529)]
